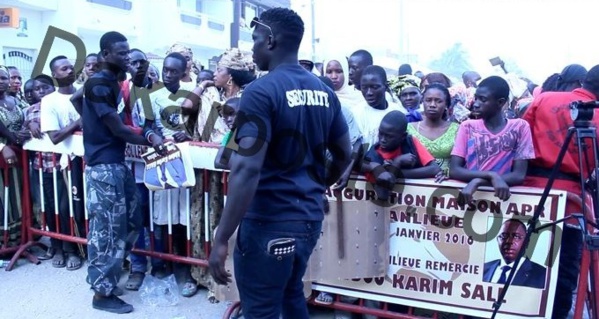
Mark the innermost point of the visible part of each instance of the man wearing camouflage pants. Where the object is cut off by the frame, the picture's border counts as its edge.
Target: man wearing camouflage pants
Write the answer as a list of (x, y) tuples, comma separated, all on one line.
[(112, 195)]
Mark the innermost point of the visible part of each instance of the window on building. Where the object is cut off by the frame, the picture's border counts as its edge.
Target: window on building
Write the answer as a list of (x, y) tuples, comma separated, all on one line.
[(191, 5), (119, 4), (250, 11), (189, 19)]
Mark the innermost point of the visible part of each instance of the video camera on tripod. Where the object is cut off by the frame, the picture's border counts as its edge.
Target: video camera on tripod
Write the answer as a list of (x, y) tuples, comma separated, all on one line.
[(583, 111), (588, 160)]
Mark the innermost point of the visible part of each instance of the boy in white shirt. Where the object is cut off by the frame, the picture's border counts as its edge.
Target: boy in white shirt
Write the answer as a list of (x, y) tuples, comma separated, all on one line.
[(60, 120)]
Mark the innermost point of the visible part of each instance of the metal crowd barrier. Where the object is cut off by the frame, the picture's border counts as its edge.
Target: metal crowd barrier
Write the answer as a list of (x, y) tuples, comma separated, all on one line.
[(206, 180), (198, 244), (20, 248)]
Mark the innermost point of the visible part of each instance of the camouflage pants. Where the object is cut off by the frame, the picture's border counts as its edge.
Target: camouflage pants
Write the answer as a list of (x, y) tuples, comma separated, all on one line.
[(114, 222)]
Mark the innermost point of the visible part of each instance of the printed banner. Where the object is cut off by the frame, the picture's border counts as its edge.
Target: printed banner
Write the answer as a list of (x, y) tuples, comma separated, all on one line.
[(133, 153), (202, 154), (173, 170), (440, 255)]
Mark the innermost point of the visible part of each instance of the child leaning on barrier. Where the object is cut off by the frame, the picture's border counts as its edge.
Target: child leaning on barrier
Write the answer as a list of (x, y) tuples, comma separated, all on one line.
[(397, 155), (228, 111), (491, 150)]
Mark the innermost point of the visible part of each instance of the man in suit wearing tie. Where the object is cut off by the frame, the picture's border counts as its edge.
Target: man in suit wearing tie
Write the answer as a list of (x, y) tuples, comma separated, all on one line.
[(510, 240)]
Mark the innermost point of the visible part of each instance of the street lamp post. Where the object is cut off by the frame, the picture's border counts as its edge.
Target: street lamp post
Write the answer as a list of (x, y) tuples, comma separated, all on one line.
[(313, 31), (235, 27)]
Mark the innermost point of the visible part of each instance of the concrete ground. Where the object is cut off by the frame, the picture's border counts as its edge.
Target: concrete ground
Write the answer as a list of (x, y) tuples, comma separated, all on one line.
[(42, 291)]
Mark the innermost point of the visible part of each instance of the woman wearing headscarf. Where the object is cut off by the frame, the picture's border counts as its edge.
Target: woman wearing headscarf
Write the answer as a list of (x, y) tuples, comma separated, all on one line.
[(196, 68), (337, 69), (435, 77), (235, 70), (461, 100), (11, 133), (407, 88)]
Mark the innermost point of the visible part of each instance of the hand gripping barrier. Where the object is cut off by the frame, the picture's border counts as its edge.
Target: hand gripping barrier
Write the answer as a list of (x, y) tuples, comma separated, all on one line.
[(199, 210), (199, 213)]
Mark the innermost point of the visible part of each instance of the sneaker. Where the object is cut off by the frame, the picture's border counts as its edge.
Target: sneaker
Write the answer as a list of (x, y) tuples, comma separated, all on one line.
[(112, 304), (118, 291)]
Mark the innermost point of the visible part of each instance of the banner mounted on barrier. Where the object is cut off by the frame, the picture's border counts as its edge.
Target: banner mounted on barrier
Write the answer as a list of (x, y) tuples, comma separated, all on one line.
[(202, 154), (440, 255)]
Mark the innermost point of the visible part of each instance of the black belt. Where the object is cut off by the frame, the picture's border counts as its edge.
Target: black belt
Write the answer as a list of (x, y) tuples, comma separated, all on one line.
[(546, 172)]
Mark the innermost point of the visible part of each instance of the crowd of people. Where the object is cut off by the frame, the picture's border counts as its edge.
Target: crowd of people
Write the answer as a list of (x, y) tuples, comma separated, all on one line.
[(482, 131)]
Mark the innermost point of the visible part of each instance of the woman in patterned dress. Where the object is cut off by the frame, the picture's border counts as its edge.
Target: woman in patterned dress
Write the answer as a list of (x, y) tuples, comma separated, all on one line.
[(234, 71), (11, 133)]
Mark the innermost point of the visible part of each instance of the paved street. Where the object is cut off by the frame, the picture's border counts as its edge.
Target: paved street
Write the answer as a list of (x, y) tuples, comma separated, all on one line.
[(42, 291)]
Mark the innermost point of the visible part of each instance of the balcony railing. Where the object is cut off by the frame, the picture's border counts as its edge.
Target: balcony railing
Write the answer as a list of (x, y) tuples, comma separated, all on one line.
[(45, 5), (214, 32), (118, 4), (196, 19)]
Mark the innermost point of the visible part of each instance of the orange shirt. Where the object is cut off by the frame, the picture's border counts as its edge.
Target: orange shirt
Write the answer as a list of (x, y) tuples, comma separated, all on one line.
[(549, 120)]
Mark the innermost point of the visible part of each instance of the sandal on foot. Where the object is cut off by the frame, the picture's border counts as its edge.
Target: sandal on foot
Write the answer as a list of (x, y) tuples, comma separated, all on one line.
[(324, 298), (58, 261), (212, 297), (48, 255), (189, 289), (135, 280), (73, 262)]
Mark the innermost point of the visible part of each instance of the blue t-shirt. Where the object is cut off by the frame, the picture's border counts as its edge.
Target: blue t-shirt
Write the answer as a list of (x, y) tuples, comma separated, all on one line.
[(102, 97), (298, 116)]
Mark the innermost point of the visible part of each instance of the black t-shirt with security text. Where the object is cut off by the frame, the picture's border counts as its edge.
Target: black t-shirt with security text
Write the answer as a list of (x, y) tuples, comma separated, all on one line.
[(297, 115)]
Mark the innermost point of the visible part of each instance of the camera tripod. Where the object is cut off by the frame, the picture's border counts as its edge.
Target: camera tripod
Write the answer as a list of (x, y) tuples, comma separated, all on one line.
[(586, 136)]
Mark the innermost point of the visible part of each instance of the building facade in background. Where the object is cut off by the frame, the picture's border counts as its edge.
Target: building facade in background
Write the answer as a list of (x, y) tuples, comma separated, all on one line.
[(153, 26)]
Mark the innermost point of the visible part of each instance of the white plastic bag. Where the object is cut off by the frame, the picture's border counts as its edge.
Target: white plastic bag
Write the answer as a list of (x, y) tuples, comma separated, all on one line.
[(159, 292)]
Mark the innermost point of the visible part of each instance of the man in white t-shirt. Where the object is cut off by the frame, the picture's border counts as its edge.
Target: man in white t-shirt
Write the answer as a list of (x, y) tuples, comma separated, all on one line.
[(168, 121), (358, 62), (60, 120)]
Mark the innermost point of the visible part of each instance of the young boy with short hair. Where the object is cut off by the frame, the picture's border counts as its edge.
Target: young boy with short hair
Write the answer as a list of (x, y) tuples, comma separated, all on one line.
[(396, 155), (491, 150)]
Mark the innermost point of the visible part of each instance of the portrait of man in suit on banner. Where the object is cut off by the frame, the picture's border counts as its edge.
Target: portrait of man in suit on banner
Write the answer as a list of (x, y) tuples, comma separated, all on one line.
[(166, 174), (510, 241)]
